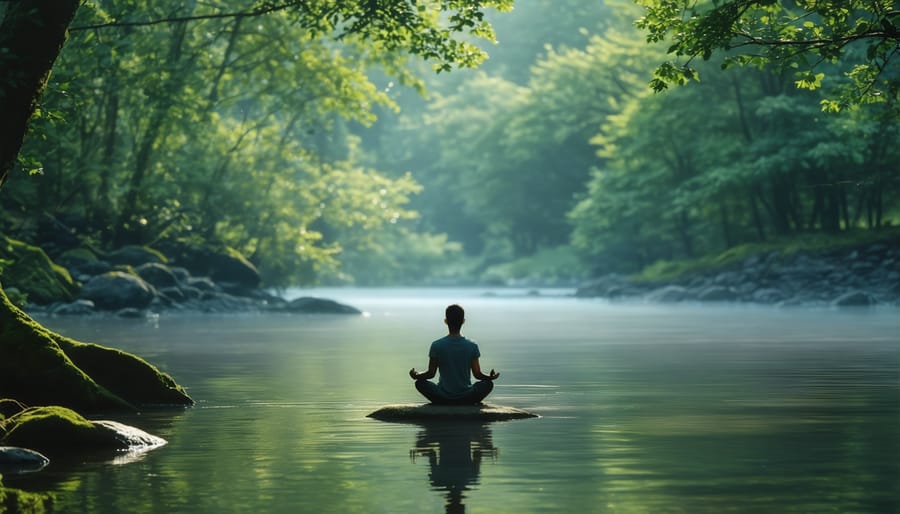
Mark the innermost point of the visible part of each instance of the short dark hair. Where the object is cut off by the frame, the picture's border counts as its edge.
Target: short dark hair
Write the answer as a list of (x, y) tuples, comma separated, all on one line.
[(455, 316)]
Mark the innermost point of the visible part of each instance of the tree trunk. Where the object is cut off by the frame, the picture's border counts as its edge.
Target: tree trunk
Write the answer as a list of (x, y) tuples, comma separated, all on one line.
[(757, 218), (125, 231), (32, 34), (684, 230), (726, 224)]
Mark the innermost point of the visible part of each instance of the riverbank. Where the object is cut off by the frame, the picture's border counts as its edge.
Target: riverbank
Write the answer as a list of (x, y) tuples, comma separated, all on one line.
[(860, 274), (138, 281)]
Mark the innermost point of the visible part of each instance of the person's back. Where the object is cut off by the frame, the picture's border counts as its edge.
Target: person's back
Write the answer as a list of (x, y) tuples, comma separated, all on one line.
[(454, 357)]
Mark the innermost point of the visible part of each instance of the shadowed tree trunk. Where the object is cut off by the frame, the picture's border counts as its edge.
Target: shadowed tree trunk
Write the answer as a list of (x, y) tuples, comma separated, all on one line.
[(32, 34)]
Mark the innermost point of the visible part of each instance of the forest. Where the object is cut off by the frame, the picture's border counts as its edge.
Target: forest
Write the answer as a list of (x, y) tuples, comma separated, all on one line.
[(581, 146)]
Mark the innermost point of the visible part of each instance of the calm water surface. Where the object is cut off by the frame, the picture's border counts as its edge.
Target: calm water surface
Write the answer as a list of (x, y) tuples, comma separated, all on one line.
[(645, 409)]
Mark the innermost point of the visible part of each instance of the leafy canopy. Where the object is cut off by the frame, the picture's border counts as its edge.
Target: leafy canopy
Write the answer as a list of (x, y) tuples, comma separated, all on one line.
[(428, 29), (806, 36)]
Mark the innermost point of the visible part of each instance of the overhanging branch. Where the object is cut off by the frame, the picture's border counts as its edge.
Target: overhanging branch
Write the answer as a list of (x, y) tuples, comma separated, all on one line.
[(196, 17)]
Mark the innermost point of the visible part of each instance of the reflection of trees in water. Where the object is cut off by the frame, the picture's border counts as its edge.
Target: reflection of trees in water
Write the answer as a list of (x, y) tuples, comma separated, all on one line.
[(454, 452)]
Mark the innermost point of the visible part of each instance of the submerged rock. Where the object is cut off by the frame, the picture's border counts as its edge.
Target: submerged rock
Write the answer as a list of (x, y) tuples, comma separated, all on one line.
[(310, 305), (17, 461), (416, 412)]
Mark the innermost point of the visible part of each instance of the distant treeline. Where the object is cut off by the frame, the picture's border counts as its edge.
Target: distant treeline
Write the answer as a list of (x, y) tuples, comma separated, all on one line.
[(581, 152)]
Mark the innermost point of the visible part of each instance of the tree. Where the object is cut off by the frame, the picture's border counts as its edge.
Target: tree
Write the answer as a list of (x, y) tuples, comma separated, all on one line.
[(33, 33), (741, 157), (802, 35)]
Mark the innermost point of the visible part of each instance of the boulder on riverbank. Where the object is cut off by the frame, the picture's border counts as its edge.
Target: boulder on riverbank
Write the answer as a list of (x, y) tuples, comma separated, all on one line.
[(138, 282), (133, 255), (28, 269), (312, 305), (222, 264), (117, 290)]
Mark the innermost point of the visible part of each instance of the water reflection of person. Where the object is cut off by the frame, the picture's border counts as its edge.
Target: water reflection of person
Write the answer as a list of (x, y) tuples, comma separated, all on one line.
[(454, 452)]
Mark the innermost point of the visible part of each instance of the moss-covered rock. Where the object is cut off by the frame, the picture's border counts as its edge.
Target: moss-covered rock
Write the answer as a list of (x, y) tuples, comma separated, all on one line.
[(50, 427), (57, 431), (223, 264), (35, 368), (30, 270), (15, 500), (128, 376), (76, 257), (229, 265), (136, 255)]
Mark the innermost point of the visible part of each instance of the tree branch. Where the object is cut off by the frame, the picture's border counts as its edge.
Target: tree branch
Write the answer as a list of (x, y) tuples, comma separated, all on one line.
[(197, 17)]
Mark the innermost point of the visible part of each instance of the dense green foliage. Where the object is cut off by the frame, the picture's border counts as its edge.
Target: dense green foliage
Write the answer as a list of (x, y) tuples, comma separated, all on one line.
[(227, 126), (320, 161), (739, 157), (804, 36)]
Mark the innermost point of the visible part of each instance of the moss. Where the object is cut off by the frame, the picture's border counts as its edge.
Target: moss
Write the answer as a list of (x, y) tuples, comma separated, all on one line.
[(15, 500), (28, 269), (136, 255), (128, 376), (39, 367), (78, 254), (36, 371), (669, 270), (811, 243), (55, 430), (18, 298)]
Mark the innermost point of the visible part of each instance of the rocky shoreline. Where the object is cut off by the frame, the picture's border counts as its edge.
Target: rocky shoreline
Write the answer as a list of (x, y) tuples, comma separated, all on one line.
[(135, 282), (862, 276)]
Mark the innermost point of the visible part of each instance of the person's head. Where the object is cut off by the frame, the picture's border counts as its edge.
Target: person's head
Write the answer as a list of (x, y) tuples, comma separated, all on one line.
[(454, 317)]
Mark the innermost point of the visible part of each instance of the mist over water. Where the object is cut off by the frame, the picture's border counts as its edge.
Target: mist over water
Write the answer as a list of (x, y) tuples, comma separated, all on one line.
[(645, 408)]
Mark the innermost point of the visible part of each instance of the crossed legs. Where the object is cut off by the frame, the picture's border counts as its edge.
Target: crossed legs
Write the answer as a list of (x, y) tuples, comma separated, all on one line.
[(476, 394)]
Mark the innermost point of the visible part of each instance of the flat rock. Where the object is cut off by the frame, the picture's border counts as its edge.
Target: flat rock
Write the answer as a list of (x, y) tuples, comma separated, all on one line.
[(129, 437), (430, 412), (16, 461)]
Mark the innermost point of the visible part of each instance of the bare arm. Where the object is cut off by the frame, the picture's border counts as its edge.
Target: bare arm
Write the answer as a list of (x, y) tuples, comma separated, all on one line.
[(432, 370), (476, 371)]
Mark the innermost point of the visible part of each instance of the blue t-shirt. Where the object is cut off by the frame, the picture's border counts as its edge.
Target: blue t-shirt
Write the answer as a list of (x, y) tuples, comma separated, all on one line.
[(454, 355)]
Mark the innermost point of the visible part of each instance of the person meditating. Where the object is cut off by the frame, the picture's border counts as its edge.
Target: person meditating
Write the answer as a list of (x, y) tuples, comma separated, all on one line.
[(454, 356)]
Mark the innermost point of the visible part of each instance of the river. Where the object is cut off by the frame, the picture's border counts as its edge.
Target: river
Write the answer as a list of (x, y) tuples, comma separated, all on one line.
[(644, 409)]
